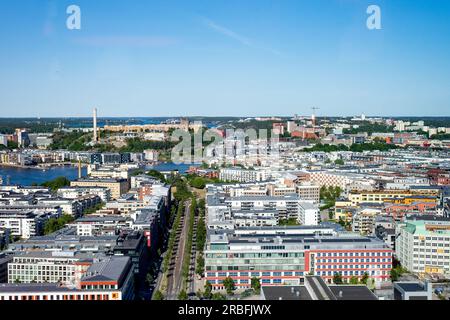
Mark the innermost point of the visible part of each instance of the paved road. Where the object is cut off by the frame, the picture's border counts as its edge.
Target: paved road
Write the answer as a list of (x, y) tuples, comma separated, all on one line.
[(175, 277)]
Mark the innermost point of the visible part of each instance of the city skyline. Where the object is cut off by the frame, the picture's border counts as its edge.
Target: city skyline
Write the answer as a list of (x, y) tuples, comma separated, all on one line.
[(220, 59), (224, 157)]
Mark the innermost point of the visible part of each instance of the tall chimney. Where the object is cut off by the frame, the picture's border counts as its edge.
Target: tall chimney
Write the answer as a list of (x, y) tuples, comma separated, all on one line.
[(95, 125), (79, 168)]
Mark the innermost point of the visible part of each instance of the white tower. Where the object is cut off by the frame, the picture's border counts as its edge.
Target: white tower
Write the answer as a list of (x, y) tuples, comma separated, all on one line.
[(95, 125)]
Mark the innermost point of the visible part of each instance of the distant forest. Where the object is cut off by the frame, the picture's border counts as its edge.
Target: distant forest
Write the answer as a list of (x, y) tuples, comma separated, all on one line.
[(45, 125)]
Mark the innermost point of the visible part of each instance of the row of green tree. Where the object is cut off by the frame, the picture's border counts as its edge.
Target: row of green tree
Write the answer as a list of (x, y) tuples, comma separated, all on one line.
[(199, 182), (288, 222), (229, 285), (360, 147), (337, 279), (94, 209), (329, 195), (182, 192), (54, 224), (156, 174), (201, 238), (139, 145), (8, 125), (73, 141), (172, 238), (10, 145), (397, 272), (441, 136), (369, 128), (79, 141), (188, 244), (56, 183)]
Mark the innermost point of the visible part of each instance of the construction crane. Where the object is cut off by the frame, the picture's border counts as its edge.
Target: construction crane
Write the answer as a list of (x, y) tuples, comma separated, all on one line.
[(313, 117)]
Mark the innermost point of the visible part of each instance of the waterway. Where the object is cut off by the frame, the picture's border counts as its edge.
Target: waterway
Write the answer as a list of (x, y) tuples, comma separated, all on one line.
[(28, 176), (169, 166)]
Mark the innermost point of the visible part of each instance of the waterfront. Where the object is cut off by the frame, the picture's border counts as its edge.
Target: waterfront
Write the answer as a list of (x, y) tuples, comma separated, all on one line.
[(28, 176), (169, 166)]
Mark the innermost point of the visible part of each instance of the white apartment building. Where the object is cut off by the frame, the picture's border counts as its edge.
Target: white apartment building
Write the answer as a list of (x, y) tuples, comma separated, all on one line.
[(47, 267), (108, 171), (93, 225), (364, 221), (243, 175), (423, 244), (3, 140), (126, 206), (287, 207), (76, 192), (24, 224), (74, 207), (255, 218), (309, 213), (250, 191)]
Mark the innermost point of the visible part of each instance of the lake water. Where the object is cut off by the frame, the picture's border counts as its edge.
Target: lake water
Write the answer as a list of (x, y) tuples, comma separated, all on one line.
[(169, 166), (26, 177)]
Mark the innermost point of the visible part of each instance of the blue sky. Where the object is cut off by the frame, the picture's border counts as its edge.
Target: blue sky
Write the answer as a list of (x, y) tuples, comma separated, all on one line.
[(224, 58)]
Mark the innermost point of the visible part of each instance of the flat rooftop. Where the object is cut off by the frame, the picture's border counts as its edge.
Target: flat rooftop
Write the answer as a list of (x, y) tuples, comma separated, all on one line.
[(108, 269), (286, 293), (411, 286), (348, 292), (31, 287), (322, 291)]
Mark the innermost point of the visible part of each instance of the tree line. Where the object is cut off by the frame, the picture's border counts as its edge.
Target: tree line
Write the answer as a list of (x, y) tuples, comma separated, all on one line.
[(356, 147)]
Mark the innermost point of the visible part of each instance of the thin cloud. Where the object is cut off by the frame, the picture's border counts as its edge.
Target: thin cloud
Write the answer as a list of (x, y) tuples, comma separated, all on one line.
[(127, 41), (227, 32), (235, 36)]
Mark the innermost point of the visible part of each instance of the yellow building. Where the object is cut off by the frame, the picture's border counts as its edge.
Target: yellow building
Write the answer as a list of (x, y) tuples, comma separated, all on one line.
[(343, 209), (413, 199), (117, 187), (375, 196)]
